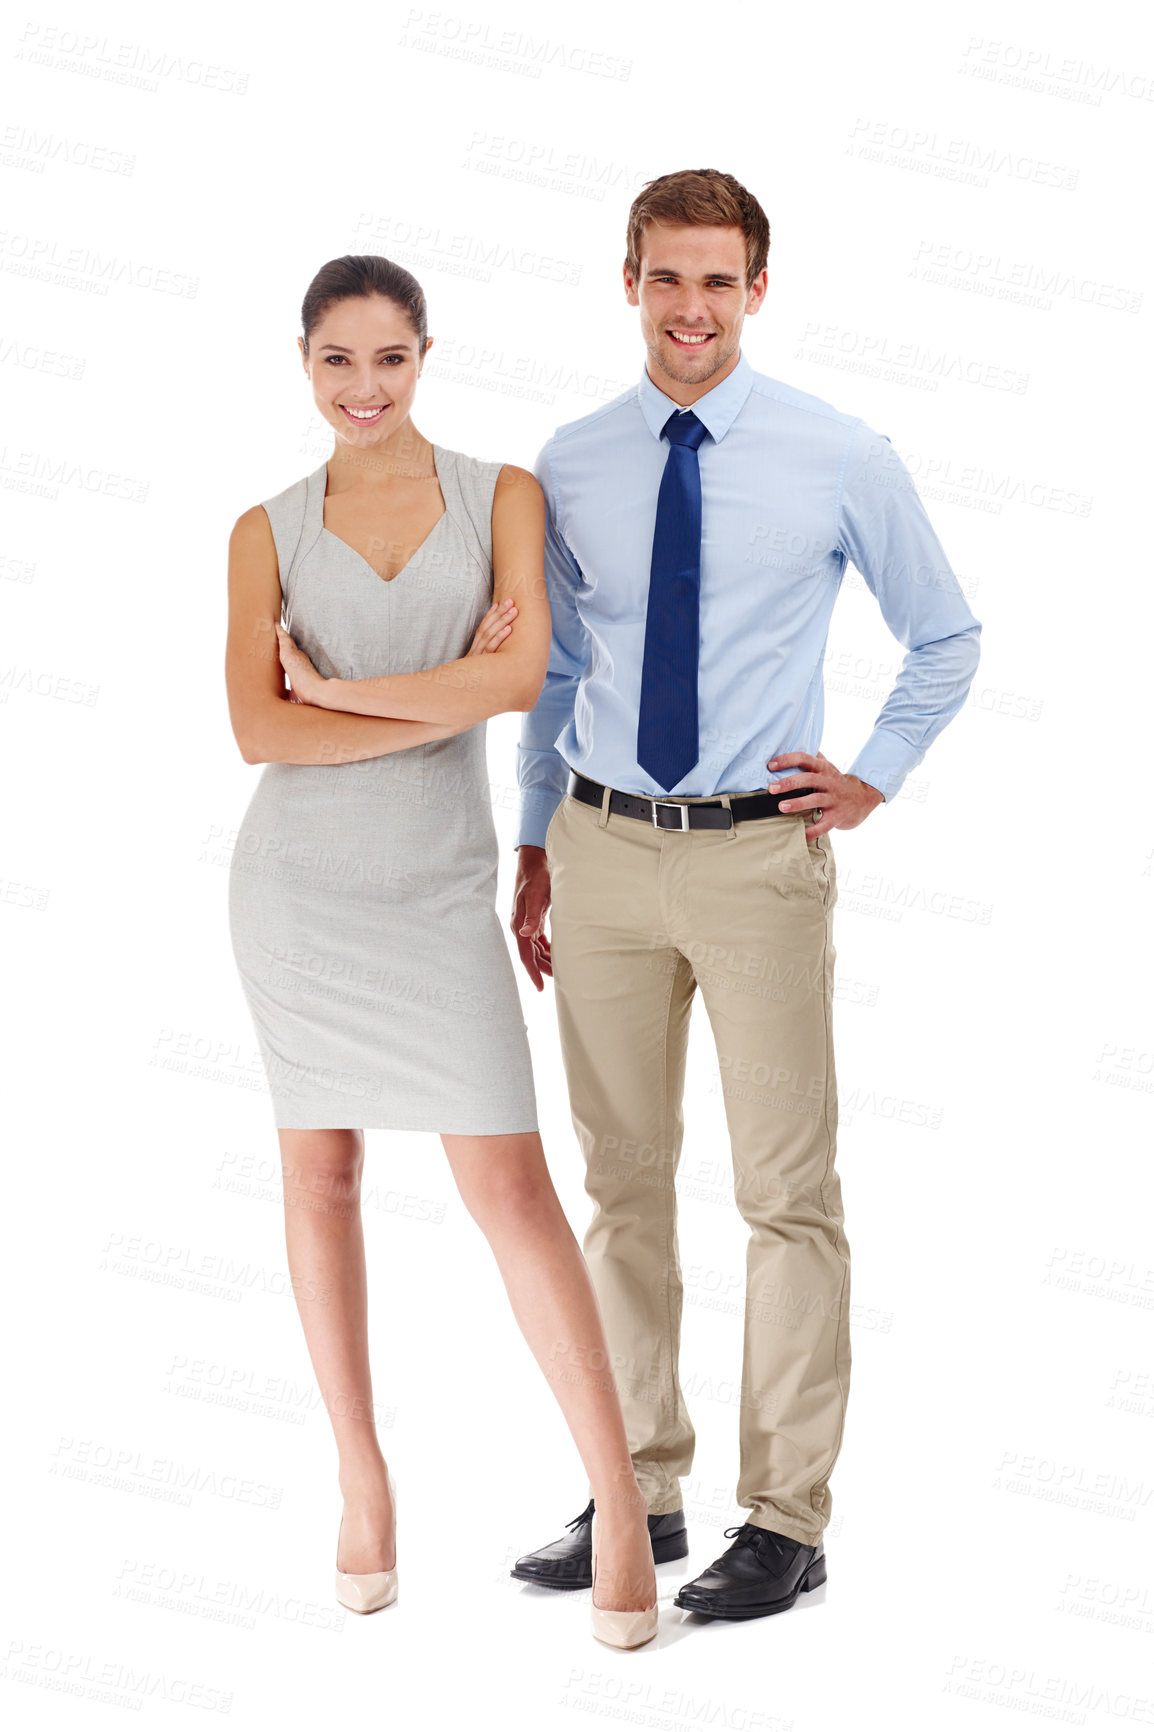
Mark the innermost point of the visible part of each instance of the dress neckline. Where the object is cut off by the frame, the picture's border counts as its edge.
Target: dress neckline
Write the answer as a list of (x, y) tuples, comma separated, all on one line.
[(321, 479)]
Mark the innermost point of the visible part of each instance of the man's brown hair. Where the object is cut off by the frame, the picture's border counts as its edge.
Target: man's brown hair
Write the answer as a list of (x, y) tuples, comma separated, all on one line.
[(699, 197)]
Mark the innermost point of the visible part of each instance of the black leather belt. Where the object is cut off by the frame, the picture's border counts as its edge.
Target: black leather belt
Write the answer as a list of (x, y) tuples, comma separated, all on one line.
[(677, 814)]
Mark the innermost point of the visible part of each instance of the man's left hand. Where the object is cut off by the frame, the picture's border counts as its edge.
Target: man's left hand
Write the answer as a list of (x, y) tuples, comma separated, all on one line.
[(844, 801)]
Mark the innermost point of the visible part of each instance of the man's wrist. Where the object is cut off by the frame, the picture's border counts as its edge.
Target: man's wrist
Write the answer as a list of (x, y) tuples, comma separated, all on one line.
[(879, 796)]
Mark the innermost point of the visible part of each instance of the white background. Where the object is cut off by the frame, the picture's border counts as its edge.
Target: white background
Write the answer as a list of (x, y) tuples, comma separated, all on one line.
[(959, 222)]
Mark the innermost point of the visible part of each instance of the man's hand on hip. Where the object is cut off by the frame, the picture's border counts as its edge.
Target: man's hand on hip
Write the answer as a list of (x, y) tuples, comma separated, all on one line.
[(844, 801), (531, 900)]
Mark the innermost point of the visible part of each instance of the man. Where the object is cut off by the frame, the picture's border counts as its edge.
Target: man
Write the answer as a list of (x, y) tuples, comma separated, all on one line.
[(698, 529)]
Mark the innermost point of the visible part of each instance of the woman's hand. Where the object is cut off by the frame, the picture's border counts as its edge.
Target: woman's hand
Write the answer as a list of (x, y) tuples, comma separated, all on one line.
[(494, 627), (308, 686)]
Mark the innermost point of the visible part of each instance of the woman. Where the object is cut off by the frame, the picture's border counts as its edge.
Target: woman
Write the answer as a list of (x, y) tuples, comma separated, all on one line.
[(362, 889)]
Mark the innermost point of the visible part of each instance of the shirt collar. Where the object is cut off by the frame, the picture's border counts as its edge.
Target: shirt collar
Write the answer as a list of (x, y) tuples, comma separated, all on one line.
[(717, 409)]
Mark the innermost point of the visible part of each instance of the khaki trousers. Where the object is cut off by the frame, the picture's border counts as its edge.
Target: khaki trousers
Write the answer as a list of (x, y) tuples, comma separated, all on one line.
[(640, 919)]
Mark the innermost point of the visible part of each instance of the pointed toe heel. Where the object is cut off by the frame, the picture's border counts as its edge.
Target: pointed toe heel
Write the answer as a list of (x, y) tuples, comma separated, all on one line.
[(620, 1629), (625, 1629), (366, 1593), (373, 1590)]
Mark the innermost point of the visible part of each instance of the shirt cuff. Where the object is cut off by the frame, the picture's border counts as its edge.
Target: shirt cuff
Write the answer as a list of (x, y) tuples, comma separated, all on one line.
[(885, 761), (537, 808)]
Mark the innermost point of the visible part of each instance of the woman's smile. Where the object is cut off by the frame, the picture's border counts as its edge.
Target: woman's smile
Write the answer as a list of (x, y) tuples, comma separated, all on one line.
[(364, 417)]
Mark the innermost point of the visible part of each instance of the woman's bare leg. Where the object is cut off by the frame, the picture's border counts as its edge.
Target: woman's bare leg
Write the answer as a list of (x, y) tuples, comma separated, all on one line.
[(506, 1186), (326, 1256)]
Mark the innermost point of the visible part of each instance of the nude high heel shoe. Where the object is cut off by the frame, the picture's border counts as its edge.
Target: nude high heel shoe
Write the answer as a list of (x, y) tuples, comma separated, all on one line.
[(375, 1589), (620, 1629)]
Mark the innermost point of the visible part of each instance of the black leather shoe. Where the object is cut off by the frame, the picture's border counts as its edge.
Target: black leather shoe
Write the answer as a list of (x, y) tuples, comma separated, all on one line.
[(762, 1572), (568, 1562)]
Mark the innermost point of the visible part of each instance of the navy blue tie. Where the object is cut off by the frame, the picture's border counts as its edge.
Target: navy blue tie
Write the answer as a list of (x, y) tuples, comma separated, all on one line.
[(667, 744)]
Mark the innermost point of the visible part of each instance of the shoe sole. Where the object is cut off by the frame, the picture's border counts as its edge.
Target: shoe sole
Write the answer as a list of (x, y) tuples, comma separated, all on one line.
[(665, 1551), (813, 1578)]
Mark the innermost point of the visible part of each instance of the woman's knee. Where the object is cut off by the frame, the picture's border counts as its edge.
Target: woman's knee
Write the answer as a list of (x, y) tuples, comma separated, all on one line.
[(327, 1165), (509, 1185)]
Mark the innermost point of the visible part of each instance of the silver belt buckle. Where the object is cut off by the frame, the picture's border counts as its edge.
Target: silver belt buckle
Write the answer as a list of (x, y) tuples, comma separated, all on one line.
[(678, 805)]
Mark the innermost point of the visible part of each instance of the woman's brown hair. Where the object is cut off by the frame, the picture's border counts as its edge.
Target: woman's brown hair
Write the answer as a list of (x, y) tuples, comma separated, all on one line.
[(364, 274)]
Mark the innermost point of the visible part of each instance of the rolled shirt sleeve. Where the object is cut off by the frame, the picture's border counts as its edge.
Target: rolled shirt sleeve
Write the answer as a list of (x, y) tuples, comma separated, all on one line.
[(884, 530), (542, 773)]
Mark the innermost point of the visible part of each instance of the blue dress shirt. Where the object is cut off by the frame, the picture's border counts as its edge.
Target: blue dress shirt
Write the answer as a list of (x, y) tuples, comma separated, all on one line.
[(791, 489)]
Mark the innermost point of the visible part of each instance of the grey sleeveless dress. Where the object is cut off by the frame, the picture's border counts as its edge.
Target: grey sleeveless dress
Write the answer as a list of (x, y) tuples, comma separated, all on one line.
[(362, 897)]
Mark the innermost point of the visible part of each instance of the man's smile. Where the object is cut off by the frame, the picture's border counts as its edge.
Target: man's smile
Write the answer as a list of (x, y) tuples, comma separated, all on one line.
[(690, 339)]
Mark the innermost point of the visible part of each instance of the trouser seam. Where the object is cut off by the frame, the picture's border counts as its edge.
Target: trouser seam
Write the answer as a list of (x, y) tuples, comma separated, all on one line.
[(670, 1208), (839, 1234)]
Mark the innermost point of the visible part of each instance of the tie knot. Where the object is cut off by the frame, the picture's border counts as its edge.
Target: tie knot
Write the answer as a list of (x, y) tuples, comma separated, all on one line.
[(684, 429)]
